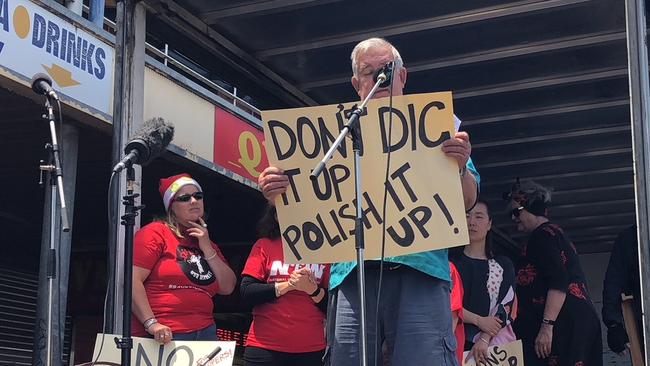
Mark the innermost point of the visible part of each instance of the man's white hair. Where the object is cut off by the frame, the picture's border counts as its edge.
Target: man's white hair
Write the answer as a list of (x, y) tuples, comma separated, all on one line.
[(372, 43)]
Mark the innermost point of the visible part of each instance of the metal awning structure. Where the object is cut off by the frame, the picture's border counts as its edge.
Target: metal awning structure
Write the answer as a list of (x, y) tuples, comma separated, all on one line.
[(541, 86)]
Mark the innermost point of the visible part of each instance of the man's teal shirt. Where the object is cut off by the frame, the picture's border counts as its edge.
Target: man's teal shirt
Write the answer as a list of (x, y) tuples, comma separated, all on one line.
[(434, 263)]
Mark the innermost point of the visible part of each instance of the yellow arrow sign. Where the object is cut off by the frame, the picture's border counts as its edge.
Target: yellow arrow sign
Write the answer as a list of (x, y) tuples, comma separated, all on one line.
[(61, 76)]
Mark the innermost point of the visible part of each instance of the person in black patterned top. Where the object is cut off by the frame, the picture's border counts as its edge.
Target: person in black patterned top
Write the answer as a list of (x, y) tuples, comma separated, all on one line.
[(556, 321)]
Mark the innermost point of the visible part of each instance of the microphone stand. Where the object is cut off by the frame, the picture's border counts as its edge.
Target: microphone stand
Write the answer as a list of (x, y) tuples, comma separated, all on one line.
[(54, 173), (125, 344), (354, 129)]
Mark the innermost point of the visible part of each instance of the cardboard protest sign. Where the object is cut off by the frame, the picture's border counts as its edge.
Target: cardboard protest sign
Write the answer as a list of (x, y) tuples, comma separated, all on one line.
[(424, 202), (147, 352), (510, 354)]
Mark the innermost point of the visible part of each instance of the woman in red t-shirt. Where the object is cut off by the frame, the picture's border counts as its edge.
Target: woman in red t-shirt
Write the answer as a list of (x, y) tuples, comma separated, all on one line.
[(289, 303), (177, 269)]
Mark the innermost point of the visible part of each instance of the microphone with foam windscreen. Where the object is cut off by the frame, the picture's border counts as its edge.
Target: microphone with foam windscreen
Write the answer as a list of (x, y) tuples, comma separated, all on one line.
[(42, 84), (148, 142), (386, 73)]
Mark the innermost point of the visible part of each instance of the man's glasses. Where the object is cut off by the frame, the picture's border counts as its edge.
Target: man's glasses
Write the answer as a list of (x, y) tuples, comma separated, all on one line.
[(187, 197), (516, 211)]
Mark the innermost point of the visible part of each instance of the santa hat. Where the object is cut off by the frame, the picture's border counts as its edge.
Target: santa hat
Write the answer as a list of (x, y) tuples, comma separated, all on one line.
[(170, 185)]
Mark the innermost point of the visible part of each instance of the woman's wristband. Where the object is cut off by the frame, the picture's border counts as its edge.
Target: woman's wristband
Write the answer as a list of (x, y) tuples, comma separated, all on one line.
[(316, 292), (548, 321), (149, 322), (214, 254), (484, 340)]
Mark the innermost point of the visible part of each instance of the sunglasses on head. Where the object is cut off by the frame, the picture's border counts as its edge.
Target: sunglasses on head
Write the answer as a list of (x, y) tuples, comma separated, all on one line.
[(187, 197), (516, 211)]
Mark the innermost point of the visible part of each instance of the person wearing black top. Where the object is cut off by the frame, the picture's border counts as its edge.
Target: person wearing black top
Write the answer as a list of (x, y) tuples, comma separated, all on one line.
[(622, 277), (556, 321), (289, 303), (488, 283)]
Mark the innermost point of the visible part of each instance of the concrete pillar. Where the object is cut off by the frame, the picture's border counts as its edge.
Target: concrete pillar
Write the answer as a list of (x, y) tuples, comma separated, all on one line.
[(128, 103), (97, 12), (639, 82)]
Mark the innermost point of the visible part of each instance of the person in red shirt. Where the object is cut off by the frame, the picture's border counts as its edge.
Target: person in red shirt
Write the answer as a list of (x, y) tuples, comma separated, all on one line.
[(289, 302), (177, 269)]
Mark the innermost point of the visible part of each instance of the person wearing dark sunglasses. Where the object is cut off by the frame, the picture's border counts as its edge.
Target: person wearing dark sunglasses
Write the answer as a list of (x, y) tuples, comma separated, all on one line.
[(177, 269), (556, 321), (187, 197)]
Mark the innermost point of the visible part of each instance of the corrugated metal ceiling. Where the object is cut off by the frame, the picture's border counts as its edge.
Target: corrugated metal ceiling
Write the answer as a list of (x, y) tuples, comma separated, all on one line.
[(540, 85)]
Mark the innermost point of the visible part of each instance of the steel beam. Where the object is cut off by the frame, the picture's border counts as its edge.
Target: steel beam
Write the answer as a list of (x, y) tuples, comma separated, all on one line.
[(262, 7), (589, 247), (552, 80), (574, 174), (568, 192), (572, 192), (501, 53), (552, 158), (575, 230), (466, 17), (553, 110), (217, 44), (556, 136)]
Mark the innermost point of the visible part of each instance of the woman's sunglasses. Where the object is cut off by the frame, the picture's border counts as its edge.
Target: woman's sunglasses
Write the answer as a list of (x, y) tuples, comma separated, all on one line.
[(516, 211), (187, 197)]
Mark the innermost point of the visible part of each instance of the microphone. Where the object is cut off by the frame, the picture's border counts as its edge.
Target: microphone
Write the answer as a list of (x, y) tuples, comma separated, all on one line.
[(42, 84), (205, 359), (386, 73), (147, 143)]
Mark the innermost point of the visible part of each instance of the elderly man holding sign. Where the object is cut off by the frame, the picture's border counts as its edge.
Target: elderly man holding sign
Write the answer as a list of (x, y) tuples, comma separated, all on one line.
[(413, 318)]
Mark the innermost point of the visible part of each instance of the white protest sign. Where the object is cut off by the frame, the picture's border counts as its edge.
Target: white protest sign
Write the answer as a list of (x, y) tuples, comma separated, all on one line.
[(147, 352), (425, 207), (509, 354)]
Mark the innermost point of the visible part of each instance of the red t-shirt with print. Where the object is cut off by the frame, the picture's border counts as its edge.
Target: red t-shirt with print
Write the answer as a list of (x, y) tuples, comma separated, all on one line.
[(457, 305), (292, 323), (181, 284)]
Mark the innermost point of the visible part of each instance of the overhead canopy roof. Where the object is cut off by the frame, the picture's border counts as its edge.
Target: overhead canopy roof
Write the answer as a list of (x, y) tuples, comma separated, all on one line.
[(541, 86)]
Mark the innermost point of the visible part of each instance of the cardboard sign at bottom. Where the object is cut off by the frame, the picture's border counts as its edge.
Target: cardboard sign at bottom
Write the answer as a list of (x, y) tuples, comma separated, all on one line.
[(509, 354), (147, 352)]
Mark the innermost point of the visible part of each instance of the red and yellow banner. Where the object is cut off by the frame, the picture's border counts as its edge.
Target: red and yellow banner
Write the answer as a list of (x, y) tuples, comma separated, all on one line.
[(238, 146)]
